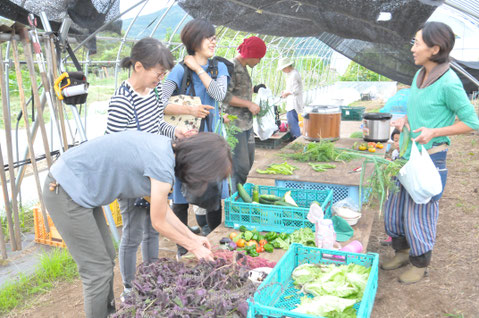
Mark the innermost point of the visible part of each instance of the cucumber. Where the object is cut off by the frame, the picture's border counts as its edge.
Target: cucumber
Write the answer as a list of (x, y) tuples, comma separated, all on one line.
[(284, 203), (263, 201), (256, 194), (270, 197), (243, 194)]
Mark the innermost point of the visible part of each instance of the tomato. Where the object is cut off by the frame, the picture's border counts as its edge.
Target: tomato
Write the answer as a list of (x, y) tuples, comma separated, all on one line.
[(372, 149), (252, 242), (379, 145), (362, 147), (233, 235), (262, 242), (371, 144), (259, 249), (241, 243)]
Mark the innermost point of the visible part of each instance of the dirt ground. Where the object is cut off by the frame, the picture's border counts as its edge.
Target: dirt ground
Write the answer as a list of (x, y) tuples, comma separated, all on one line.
[(452, 288)]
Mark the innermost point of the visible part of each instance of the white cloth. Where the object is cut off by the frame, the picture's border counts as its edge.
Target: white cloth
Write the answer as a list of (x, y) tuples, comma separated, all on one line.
[(295, 87)]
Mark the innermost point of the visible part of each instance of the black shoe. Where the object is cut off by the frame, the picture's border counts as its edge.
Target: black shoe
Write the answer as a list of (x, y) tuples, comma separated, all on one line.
[(205, 230), (195, 229)]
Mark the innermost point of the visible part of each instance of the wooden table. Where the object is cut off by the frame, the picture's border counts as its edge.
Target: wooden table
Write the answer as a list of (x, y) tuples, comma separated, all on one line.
[(341, 175)]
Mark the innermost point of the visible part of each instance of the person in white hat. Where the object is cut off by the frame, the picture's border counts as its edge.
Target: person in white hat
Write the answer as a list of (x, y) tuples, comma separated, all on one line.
[(293, 95)]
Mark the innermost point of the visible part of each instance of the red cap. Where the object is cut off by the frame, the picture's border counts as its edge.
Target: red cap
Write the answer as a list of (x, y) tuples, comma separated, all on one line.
[(252, 47)]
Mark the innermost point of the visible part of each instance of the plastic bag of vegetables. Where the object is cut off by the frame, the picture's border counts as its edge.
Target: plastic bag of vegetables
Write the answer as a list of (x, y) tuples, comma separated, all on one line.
[(264, 123)]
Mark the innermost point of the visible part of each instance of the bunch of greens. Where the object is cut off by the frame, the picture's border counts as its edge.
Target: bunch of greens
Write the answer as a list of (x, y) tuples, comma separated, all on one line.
[(303, 236), (231, 131), (323, 151), (264, 108), (335, 288), (278, 168), (167, 288)]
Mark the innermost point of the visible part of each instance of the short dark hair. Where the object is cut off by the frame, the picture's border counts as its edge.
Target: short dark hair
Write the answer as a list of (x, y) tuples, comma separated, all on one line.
[(149, 52), (201, 159), (194, 32), (440, 34), (395, 132)]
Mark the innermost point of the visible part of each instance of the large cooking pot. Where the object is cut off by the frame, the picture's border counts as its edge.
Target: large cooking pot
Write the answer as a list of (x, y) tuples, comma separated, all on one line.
[(321, 122), (376, 126)]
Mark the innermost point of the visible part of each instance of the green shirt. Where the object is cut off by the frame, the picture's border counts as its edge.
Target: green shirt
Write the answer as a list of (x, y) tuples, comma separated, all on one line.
[(437, 105)]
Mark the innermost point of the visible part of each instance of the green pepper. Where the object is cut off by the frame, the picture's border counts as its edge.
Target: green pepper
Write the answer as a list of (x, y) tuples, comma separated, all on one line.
[(261, 237), (253, 253), (237, 237), (243, 228), (268, 248), (275, 244), (283, 236), (247, 235), (271, 236)]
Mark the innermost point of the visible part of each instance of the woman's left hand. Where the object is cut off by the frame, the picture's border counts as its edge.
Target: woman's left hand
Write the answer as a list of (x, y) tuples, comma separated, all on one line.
[(204, 241), (426, 135), (190, 61)]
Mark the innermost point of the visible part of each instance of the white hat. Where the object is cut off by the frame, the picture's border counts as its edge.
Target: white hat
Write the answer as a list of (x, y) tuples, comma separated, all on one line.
[(284, 62)]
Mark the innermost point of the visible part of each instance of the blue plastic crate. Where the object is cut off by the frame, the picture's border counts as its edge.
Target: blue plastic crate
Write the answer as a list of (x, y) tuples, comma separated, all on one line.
[(277, 295), (265, 217), (340, 192)]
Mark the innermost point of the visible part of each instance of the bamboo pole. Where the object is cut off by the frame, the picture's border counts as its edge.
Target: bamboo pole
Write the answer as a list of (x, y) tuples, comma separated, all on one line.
[(33, 77), (3, 178), (61, 116), (29, 139), (8, 135)]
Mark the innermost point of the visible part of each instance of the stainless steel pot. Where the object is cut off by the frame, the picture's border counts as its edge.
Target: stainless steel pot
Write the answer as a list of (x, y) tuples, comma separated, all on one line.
[(376, 126)]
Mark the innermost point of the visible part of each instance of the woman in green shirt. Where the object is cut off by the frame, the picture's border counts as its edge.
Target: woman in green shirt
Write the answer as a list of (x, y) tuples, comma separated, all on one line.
[(437, 97)]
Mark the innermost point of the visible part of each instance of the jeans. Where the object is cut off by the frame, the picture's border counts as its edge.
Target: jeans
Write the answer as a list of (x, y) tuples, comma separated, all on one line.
[(243, 157), (293, 123), (88, 239), (137, 229), (439, 160)]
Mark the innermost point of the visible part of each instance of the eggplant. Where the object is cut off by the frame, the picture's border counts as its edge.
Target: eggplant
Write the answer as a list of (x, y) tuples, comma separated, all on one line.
[(225, 240)]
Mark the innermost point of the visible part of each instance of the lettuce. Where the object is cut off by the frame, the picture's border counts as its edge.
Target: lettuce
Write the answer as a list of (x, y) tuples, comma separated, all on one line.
[(327, 306)]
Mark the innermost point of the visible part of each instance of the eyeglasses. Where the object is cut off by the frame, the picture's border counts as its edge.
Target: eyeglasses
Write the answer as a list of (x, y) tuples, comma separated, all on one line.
[(159, 75), (212, 38)]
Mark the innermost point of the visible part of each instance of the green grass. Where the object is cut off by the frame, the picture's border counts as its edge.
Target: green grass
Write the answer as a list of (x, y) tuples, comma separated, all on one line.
[(25, 215), (55, 266), (356, 134)]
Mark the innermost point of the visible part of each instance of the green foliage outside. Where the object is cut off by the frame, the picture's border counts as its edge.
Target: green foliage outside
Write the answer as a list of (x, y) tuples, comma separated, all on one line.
[(58, 265), (25, 216), (356, 72)]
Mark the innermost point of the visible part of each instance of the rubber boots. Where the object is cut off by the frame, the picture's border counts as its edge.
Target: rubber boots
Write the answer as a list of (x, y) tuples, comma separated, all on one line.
[(401, 258), (413, 275)]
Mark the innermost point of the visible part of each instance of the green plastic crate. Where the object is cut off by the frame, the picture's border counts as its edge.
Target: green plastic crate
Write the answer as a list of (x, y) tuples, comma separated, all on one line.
[(277, 295), (352, 113), (265, 217)]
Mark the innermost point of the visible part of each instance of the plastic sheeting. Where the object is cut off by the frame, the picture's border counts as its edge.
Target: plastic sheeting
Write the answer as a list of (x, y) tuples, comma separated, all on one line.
[(87, 15)]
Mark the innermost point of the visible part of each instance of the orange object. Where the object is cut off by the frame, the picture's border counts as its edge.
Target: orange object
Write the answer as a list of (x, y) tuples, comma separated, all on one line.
[(241, 243), (233, 235), (372, 149), (252, 242), (41, 236), (379, 145), (263, 242), (259, 249), (371, 144), (362, 147)]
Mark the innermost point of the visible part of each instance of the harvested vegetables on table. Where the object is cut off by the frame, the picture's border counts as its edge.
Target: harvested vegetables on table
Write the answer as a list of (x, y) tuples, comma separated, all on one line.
[(167, 288), (278, 168), (323, 151), (335, 288)]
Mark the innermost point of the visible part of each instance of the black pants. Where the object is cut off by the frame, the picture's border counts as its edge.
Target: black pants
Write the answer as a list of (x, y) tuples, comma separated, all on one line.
[(213, 218)]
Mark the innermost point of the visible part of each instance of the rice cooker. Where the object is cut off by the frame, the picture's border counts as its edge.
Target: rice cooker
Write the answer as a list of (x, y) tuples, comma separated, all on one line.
[(376, 126)]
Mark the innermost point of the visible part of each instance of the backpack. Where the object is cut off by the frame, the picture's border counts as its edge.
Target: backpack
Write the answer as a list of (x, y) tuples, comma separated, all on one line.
[(212, 69)]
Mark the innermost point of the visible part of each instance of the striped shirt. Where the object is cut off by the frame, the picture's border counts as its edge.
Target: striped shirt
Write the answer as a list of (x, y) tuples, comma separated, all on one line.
[(216, 89), (149, 109)]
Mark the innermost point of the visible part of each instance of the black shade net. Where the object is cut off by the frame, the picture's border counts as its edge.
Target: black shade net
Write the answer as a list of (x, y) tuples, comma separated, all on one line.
[(353, 28)]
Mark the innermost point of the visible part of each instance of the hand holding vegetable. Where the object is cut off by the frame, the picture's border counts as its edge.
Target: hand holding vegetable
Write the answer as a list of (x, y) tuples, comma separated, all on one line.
[(426, 135), (400, 122), (253, 108), (202, 248)]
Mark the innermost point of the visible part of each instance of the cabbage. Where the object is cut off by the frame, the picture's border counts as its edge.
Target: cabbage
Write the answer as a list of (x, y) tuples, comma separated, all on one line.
[(327, 306)]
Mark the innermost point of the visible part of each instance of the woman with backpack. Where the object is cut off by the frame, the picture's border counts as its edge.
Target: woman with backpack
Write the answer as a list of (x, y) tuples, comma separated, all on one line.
[(208, 80)]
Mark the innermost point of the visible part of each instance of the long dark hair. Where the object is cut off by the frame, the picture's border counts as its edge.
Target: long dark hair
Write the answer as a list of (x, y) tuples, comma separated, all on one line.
[(149, 52), (440, 34), (201, 159), (194, 32)]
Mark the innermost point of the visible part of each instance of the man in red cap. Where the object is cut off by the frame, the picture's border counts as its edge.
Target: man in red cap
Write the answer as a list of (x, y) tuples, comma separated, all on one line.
[(238, 102)]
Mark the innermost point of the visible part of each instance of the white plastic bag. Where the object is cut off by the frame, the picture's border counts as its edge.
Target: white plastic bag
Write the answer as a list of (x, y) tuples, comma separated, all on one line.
[(265, 126), (420, 176)]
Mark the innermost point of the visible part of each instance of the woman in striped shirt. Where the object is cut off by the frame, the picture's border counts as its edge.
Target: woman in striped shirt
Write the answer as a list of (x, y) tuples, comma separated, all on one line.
[(138, 105), (437, 90), (199, 39)]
